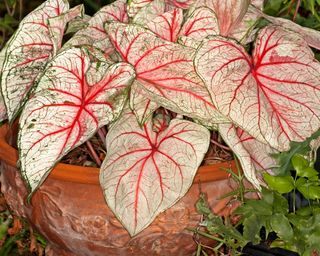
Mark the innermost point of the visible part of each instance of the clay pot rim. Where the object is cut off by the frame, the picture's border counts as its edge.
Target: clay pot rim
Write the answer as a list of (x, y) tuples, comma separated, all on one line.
[(90, 175)]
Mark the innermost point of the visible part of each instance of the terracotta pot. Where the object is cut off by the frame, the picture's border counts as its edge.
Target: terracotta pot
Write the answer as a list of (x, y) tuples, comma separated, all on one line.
[(70, 211)]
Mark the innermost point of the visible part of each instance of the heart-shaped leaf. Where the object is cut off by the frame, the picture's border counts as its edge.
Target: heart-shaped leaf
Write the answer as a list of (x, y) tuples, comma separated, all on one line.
[(201, 23), (140, 104), (27, 53), (275, 96), (165, 70), (95, 34), (145, 172), (67, 109), (167, 25)]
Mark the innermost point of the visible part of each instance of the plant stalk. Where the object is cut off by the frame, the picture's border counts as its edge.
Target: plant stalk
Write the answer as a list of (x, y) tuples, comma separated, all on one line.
[(93, 153)]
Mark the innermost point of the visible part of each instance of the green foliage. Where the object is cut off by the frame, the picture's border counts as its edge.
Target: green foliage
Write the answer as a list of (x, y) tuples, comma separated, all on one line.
[(305, 12), (284, 158), (298, 231), (218, 229)]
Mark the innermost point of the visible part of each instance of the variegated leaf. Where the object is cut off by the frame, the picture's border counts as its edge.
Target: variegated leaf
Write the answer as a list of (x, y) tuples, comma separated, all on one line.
[(275, 96), (201, 23), (67, 109), (57, 25), (166, 72), (135, 5), (95, 34), (183, 4), (149, 12), (140, 104), (78, 23), (145, 172), (3, 110), (28, 51), (229, 12), (229, 134), (167, 25), (260, 153)]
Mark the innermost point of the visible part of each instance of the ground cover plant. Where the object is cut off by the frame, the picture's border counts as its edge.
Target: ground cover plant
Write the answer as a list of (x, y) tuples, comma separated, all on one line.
[(161, 75)]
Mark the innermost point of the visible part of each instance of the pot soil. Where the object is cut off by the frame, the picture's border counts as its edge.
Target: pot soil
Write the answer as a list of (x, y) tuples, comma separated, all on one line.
[(70, 211)]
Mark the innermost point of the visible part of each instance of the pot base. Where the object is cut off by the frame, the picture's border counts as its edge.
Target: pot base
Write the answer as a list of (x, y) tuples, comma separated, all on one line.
[(76, 220)]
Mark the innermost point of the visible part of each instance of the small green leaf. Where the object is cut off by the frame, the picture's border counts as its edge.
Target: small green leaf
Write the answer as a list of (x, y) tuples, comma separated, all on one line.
[(302, 167), (309, 190), (251, 228), (282, 184), (280, 204), (281, 225)]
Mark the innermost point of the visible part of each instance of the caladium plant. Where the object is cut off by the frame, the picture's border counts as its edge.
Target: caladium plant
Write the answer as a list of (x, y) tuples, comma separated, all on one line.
[(161, 75)]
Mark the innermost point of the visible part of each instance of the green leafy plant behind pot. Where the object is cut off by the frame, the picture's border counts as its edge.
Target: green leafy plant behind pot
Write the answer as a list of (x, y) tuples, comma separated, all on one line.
[(130, 59)]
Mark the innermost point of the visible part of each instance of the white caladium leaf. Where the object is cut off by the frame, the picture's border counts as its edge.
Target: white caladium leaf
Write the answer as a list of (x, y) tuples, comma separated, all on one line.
[(311, 36), (183, 4), (167, 25), (94, 34), (67, 109), (260, 153), (78, 23), (3, 110), (57, 25), (229, 134), (149, 12), (135, 5), (166, 72), (229, 12), (275, 96), (28, 51), (140, 104), (144, 172), (200, 24)]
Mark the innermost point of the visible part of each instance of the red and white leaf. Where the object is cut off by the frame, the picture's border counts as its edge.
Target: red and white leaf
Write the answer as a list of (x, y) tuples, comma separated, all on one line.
[(229, 12), (275, 97), (28, 51), (135, 5), (149, 12), (58, 24), (229, 134), (311, 36), (67, 109), (200, 24), (140, 104), (166, 72), (95, 34), (145, 172), (260, 153), (183, 4), (167, 25)]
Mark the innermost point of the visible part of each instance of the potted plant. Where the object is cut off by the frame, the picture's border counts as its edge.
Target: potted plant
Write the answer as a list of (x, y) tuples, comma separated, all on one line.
[(160, 74)]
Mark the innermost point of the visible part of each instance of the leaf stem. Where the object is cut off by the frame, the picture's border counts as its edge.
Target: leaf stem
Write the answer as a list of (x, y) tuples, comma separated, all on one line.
[(102, 135), (93, 153)]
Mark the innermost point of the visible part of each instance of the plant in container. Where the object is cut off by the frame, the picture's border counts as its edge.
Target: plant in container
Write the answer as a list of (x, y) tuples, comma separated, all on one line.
[(160, 75)]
